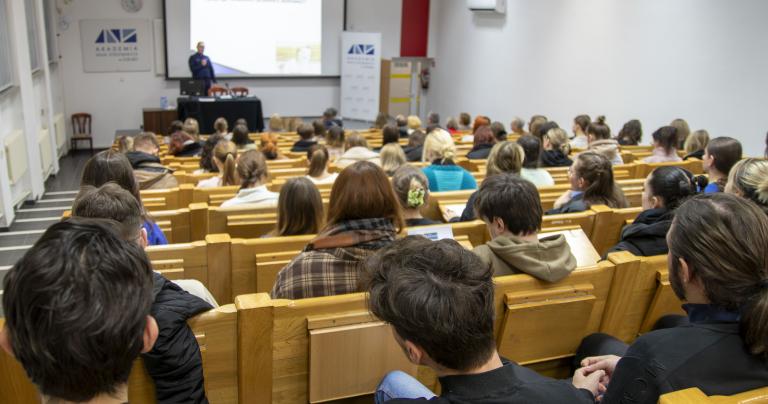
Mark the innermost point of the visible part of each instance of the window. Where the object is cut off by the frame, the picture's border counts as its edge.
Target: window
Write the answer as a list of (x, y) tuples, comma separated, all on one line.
[(49, 11), (6, 74), (34, 54)]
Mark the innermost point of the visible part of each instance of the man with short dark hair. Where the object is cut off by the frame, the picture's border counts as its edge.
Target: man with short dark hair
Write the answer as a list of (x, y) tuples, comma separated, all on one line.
[(438, 298), (307, 138), (511, 208), (201, 68), (149, 172), (402, 125), (518, 126), (175, 363), (77, 311), (330, 120)]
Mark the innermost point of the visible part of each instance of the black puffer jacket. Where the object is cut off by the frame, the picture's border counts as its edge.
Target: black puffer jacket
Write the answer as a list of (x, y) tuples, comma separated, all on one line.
[(175, 363), (555, 158), (647, 236)]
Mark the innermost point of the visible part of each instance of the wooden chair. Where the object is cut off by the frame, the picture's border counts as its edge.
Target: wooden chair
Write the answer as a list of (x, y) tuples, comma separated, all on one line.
[(217, 91), (216, 333), (696, 396), (239, 91), (167, 199), (640, 295), (81, 130)]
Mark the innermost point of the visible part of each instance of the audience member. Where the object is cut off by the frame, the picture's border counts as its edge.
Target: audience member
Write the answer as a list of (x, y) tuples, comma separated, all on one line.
[(517, 126), (206, 155), (253, 172), (357, 150), (402, 125), (443, 174), (749, 179), (175, 363), (109, 166), (176, 126), (511, 208), (319, 129), (381, 120), (275, 123), (433, 121), (307, 139), (241, 121), (720, 155), (76, 342), (482, 143), (664, 146), (499, 132), (544, 128), (414, 123), (363, 216), (389, 134), (631, 133), (125, 144), (695, 144), (225, 160), (664, 190), (465, 121), (192, 128), (221, 127), (330, 118), (591, 178), (147, 169), (480, 120), (721, 273), (412, 191), (556, 149), (319, 159), (452, 126), (334, 142), (415, 149), (241, 138), (683, 130), (505, 157), (531, 170), (580, 124), (599, 135), (268, 146), (299, 208), (183, 145), (438, 298), (392, 157)]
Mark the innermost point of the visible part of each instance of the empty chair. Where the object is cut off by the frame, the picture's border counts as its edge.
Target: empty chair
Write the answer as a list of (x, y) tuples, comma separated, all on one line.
[(81, 130)]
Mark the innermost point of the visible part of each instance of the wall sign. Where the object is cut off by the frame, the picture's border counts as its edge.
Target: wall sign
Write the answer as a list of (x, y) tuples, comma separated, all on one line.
[(116, 45)]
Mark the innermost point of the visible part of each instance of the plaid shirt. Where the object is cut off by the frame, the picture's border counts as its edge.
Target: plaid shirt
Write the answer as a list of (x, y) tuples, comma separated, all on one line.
[(331, 264)]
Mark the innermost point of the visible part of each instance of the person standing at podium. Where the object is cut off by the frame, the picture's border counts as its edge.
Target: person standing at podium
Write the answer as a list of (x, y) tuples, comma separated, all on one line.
[(202, 68)]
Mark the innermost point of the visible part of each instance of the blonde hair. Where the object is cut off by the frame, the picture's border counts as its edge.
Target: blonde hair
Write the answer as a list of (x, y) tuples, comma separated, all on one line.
[(750, 178), (414, 122), (696, 141), (225, 152), (392, 158), (191, 127), (221, 125), (438, 145), (559, 140), (505, 157), (275, 123)]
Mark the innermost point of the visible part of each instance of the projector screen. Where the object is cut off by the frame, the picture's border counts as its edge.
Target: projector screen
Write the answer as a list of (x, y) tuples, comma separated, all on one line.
[(255, 38)]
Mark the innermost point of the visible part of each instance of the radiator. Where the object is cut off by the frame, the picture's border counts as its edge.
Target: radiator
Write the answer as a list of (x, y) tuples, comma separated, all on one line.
[(46, 158), (60, 128), (16, 156)]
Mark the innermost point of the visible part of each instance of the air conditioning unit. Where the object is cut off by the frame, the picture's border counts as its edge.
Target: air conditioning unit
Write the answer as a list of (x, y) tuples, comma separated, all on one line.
[(485, 6)]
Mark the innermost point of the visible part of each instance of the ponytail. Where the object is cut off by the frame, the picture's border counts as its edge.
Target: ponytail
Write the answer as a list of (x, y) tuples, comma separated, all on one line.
[(754, 320), (318, 160), (597, 171), (229, 175), (252, 169)]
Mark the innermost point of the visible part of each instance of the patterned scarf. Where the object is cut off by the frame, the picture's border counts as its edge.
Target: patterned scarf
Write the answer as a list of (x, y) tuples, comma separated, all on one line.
[(369, 234)]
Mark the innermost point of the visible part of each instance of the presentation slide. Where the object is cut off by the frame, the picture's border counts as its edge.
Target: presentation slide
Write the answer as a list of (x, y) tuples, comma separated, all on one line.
[(253, 38)]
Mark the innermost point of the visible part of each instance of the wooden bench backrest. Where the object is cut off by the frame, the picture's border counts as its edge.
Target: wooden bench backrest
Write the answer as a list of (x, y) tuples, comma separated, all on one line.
[(696, 396), (640, 284), (608, 225), (540, 322), (216, 333)]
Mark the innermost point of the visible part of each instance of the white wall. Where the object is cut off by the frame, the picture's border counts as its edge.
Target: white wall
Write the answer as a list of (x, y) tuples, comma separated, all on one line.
[(654, 60), (116, 99)]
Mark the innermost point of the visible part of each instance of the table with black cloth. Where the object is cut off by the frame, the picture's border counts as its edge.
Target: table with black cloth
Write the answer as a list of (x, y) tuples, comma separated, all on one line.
[(231, 109)]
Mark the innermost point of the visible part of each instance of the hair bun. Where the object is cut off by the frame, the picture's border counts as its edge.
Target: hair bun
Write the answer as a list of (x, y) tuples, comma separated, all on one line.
[(600, 119)]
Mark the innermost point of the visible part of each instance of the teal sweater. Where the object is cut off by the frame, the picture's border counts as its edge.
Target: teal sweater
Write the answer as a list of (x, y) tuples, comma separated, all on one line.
[(448, 177)]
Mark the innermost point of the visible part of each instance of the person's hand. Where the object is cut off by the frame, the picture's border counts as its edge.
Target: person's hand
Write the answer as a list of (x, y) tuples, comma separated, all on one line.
[(606, 363), (589, 381), (450, 214), (562, 200), (204, 62)]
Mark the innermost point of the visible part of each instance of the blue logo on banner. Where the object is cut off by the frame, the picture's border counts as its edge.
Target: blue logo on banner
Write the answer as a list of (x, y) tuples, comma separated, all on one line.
[(117, 36), (361, 49)]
